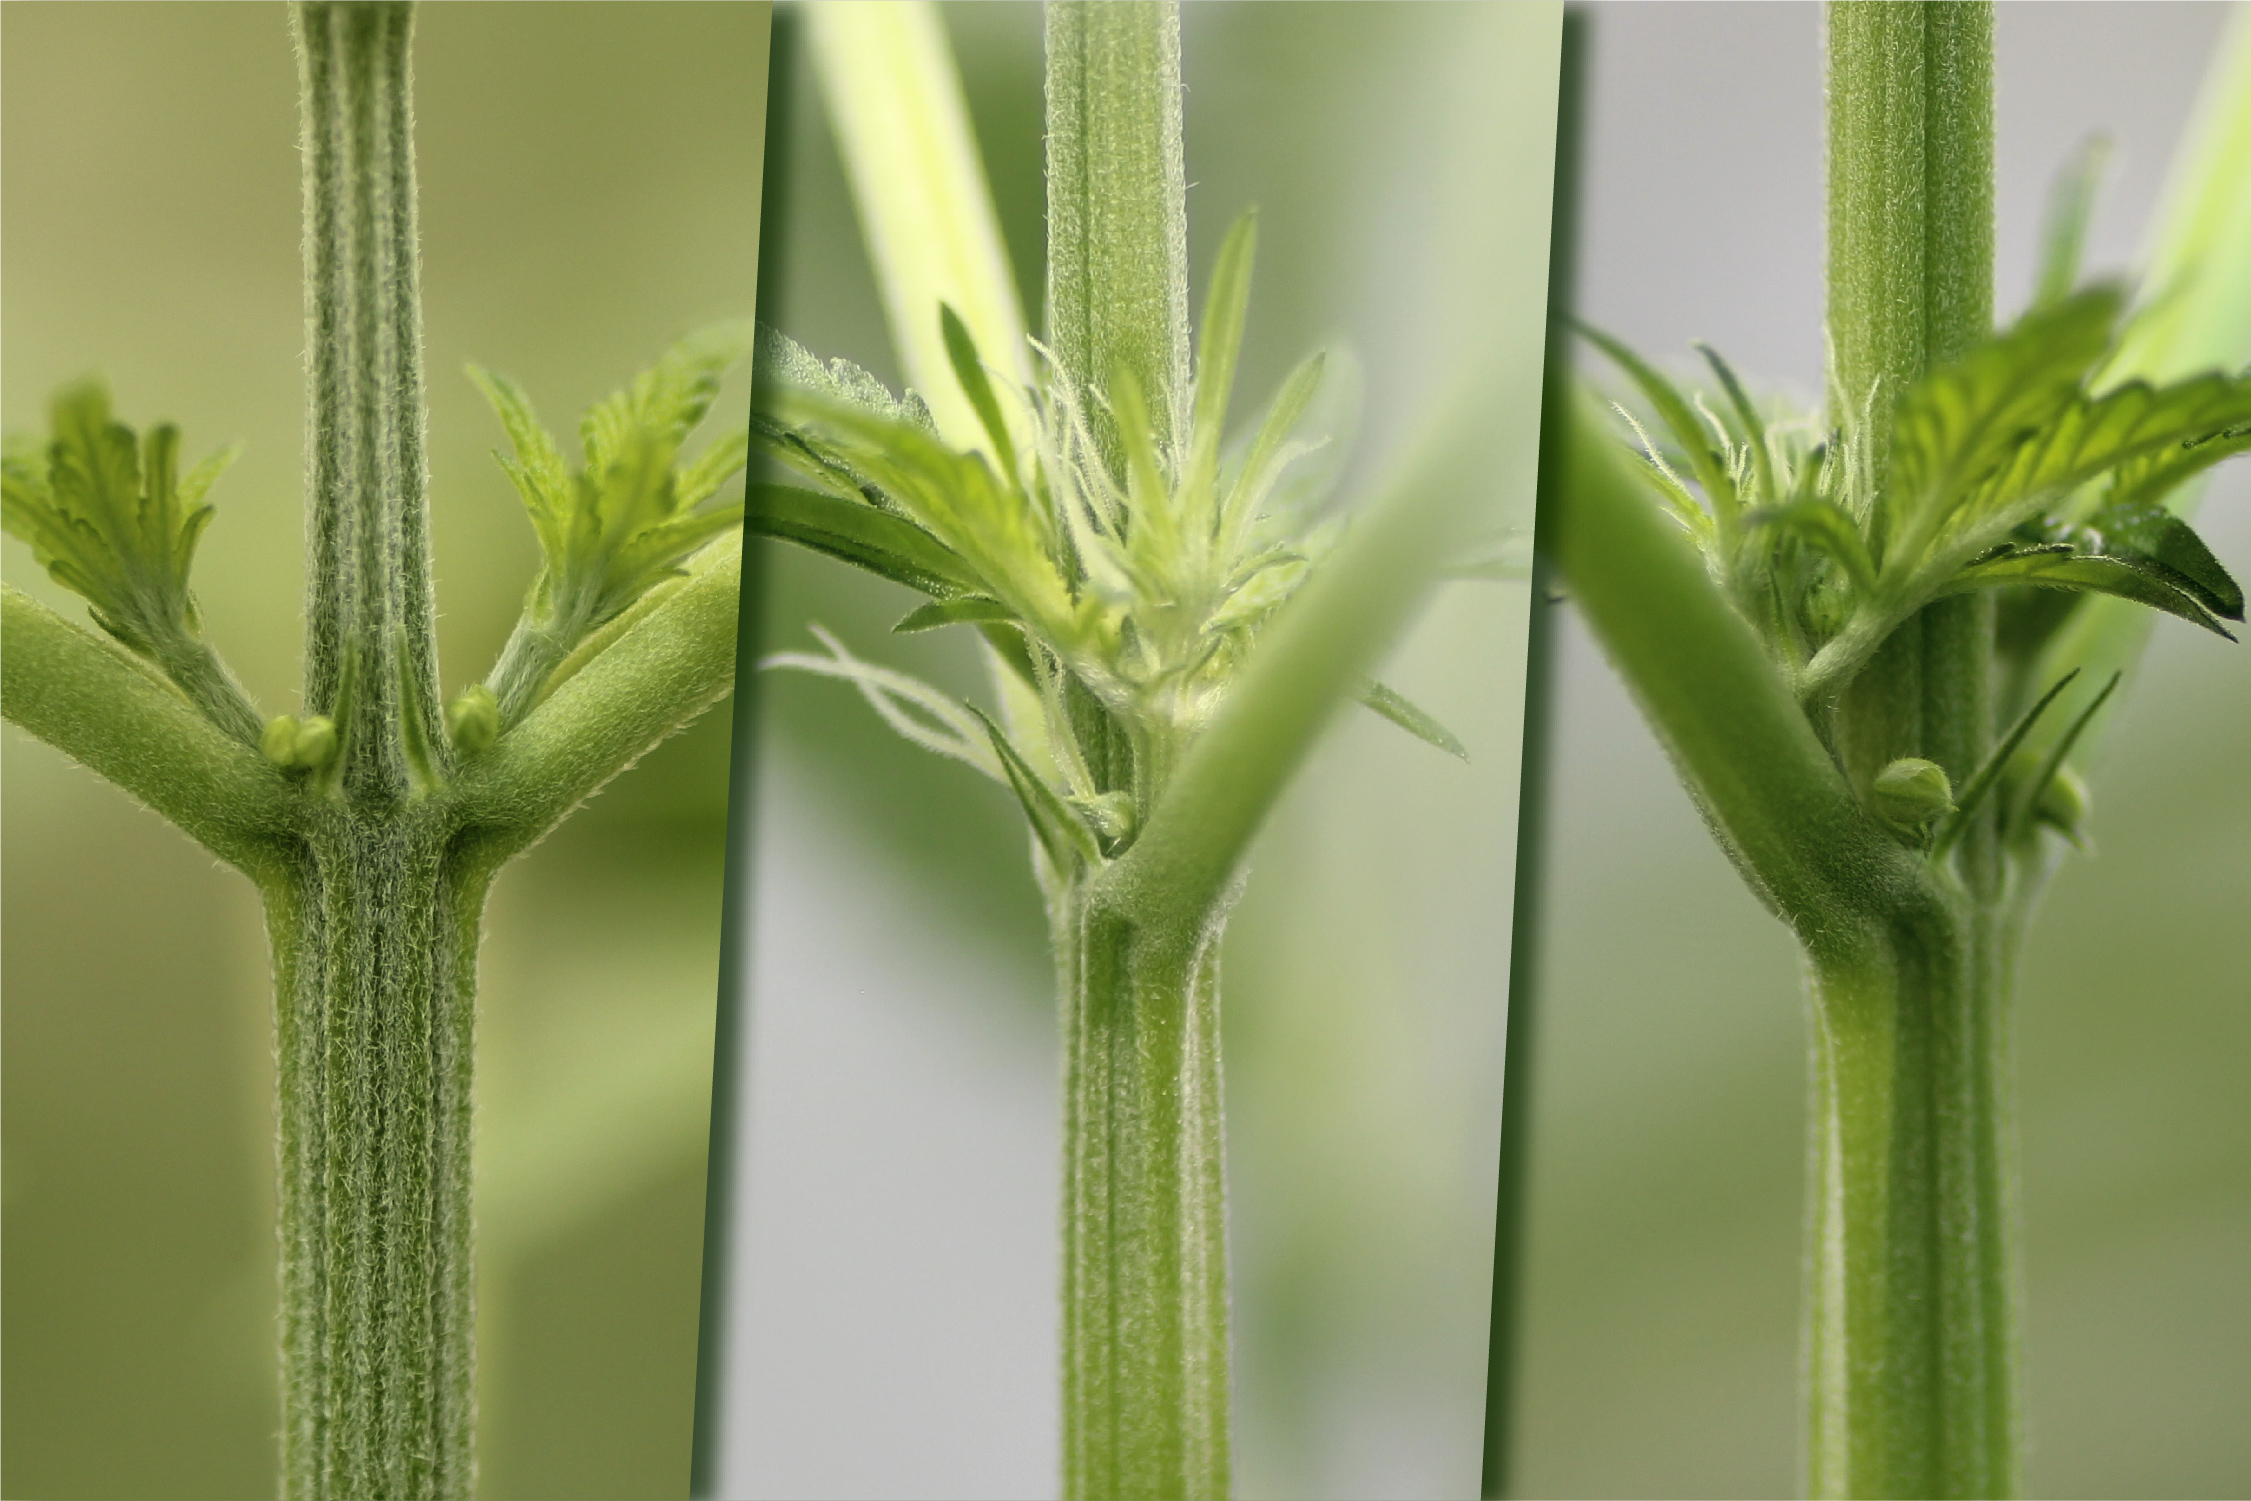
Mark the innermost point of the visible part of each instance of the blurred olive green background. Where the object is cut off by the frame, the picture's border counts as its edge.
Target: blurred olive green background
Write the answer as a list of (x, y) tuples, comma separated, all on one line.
[(1665, 1221), (894, 1329), (589, 179)]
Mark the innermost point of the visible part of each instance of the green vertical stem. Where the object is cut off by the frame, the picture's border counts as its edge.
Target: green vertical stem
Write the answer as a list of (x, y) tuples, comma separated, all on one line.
[(1117, 218), (370, 644), (1145, 1365), (375, 938), (1912, 1299), (374, 922)]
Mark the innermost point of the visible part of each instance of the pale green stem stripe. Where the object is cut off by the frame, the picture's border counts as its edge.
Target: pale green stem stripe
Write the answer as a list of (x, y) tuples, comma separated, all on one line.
[(1117, 217), (894, 101)]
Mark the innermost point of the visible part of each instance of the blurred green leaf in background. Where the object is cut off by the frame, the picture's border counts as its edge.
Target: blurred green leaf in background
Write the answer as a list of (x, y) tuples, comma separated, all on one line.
[(589, 179)]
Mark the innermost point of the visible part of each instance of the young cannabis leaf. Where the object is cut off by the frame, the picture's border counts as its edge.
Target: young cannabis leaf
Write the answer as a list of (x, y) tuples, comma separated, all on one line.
[(1123, 589), (111, 518), (2014, 465), (617, 528)]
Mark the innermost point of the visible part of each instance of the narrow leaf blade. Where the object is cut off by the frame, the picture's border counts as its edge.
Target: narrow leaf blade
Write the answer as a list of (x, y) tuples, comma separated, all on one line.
[(883, 544), (1402, 712), (1061, 832), (969, 608)]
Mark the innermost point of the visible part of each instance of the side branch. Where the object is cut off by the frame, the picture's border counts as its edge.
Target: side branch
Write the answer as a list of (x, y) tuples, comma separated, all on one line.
[(114, 714), (1773, 795), (1319, 652), (669, 662)]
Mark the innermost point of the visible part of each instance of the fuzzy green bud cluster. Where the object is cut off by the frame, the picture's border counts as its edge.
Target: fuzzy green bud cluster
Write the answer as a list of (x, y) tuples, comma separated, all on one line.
[(1120, 576), (307, 744)]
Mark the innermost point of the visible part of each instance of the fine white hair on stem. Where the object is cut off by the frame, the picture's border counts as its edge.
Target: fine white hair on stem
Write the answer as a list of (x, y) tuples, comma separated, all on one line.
[(955, 733)]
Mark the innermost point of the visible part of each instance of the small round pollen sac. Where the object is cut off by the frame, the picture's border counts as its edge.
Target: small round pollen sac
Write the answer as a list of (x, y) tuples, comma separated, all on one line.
[(473, 718), (309, 743), (1912, 793), (316, 741), (279, 742)]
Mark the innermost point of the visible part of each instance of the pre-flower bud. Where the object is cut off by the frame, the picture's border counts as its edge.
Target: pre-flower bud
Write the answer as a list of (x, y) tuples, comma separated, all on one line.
[(316, 741), (473, 719), (1111, 816), (2063, 804), (1912, 794), (279, 742), (299, 744)]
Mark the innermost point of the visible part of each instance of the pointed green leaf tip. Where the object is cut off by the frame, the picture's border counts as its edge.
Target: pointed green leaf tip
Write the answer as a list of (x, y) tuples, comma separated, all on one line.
[(1396, 708), (110, 517), (630, 516), (969, 370), (2012, 466)]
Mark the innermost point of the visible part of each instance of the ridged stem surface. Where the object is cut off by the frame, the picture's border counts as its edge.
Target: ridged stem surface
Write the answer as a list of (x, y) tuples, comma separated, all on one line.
[(1117, 209), (374, 927), (1912, 1293), (1144, 1242)]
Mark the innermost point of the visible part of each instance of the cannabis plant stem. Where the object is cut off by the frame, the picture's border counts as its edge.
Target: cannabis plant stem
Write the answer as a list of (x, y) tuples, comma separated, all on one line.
[(1912, 1318), (1145, 1379), (372, 836), (1911, 1275), (1140, 849), (1865, 823), (374, 930)]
